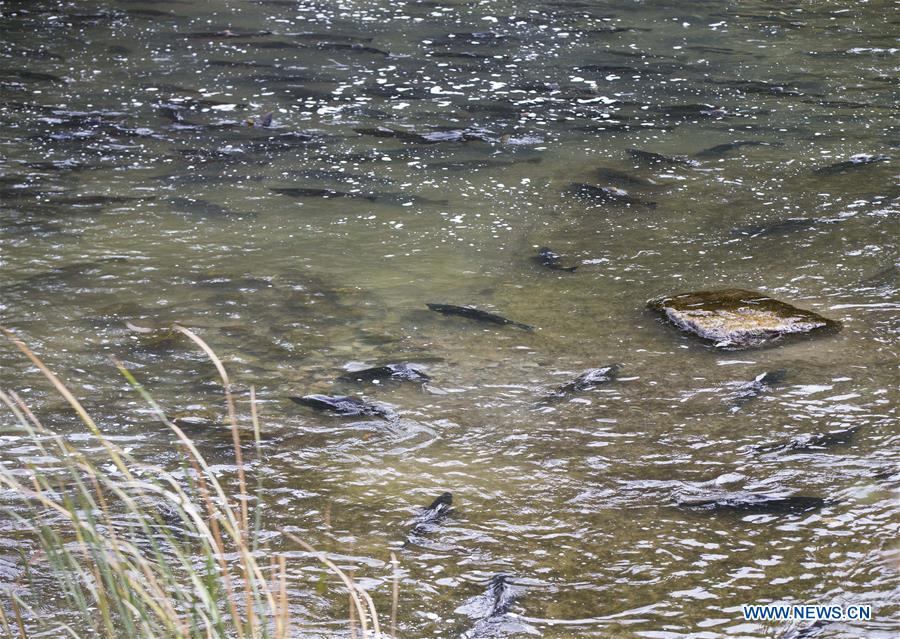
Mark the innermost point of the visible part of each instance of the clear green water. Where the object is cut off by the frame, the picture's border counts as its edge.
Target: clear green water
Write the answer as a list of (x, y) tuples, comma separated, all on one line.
[(575, 501)]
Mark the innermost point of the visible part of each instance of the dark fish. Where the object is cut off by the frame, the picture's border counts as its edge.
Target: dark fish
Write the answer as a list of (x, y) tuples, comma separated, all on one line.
[(549, 259), (615, 176), (500, 595), (58, 165), (40, 54), (439, 509), (286, 78), (855, 162), (763, 383), (336, 175), (473, 313), (722, 149), (812, 630), (100, 200), (610, 30), (473, 165), (461, 55), (687, 111), (362, 111), (589, 380), (887, 276), (396, 199), (225, 33), (356, 48), (344, 405), (276, 44), (605, 195), (323, 193), (491, 610), (707, 49), (778, 228), (239, 64), (843, 104), (648, 157), (481, 36), (746, 502), (610, 68), (73, 275), (198, 206), (151, 13), (390, 92), (172, 112), (402, 199), (431, 137), (31, 76), (755, 86), (498, 109), (398, 372), (386, 132), (538, 87), (810, 443), (263, 122), (328, 37)]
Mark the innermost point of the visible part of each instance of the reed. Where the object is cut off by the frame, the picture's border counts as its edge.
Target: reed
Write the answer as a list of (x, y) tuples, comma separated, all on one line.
[(123, 548)]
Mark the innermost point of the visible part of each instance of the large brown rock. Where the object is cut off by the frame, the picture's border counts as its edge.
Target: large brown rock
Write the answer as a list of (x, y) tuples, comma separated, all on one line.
[(736, 319)]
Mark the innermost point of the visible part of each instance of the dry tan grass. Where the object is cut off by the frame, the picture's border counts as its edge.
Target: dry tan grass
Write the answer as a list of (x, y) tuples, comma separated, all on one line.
[(155, 583)]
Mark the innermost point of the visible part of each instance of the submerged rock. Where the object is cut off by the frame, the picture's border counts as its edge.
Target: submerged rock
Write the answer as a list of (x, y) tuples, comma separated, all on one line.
[(736, 319)]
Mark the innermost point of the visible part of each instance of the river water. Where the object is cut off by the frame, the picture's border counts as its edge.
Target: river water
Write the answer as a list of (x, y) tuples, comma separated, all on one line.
[(135, 190)]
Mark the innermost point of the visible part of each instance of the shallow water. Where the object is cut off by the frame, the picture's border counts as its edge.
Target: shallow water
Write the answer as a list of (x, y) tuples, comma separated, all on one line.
[(145, 104)]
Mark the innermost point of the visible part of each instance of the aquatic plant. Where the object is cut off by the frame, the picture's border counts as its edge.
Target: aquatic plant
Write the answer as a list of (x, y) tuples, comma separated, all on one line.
[(118, 547)]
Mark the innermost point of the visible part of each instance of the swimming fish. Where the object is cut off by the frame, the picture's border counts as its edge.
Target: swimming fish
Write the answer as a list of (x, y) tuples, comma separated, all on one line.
[(747, 502), (470, 312), (439, 509), (551, 260), (605, 195), (855, 162), (398, 372), (648, 157), (344, 405), (762, 383), (722, 149), (810, 443)]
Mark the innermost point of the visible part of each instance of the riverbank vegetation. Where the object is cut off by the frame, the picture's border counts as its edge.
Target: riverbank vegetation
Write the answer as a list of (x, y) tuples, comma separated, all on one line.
[(131, 549)]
